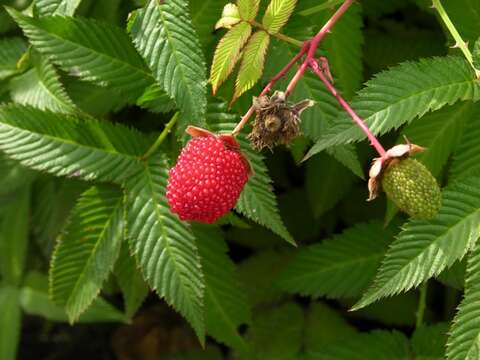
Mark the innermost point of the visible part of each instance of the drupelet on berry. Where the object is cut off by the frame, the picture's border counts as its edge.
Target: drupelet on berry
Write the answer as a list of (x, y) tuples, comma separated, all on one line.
[(208, 177)]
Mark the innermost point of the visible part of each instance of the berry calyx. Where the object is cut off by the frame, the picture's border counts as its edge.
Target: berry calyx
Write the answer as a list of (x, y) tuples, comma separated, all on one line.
[(208, 177), (410, 185)]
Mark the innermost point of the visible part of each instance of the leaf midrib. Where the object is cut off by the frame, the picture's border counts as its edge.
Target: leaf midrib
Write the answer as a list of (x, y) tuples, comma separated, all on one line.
[(434, 243), (69, 142), (101, 238), (400, 101), (341, 265), (142, 71), (180, 65), (159, 216)]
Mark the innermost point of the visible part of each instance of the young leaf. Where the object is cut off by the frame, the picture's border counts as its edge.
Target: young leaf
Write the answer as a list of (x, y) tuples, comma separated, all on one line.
[(378, 344), (14, 234), (40, 87), (227, 53), (276, 333), (88, 249), (399, 95), (129, 278), (257, 200), (226, 305), (164, 35), (164, 245), (340, 267), (204, 21), (11, 50), (277, 14), (466, 160), (65, 146), (34, 300), (463, 342), (251, 67), (248, 9), (424, 248), (56, 7), (96, 52), (10, 322)]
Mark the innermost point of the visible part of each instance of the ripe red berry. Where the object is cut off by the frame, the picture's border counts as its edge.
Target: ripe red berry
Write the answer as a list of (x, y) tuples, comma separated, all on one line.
[(208, 178)]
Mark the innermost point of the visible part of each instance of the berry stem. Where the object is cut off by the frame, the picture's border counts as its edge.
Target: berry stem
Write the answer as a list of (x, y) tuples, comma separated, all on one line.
[(422, 304), (357, 119), (462, 45), (163, 135), (309, 48)]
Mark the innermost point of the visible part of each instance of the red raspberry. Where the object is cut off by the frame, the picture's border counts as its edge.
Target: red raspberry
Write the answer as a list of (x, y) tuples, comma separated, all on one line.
[(208, 178)]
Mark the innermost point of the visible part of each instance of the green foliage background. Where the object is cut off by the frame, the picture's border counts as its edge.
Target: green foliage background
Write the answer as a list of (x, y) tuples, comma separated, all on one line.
[(89, 91)]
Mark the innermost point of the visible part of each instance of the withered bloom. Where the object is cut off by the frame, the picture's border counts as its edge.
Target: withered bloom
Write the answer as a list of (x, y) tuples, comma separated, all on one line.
[(276, 121), (380, 164)]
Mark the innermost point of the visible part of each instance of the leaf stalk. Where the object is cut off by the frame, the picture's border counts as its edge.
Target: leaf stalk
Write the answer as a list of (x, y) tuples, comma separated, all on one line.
[(462, 45), (163, 135)]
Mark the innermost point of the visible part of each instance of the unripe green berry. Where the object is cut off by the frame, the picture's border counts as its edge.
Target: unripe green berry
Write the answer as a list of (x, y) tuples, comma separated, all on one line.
[(410, 185)]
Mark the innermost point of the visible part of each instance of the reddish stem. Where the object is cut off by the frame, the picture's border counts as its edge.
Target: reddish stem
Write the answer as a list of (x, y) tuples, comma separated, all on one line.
[(357, 119)]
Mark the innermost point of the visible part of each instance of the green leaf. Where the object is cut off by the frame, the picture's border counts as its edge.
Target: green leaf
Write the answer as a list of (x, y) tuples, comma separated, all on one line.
[(251, 67), (34, 300), (276, 333), (10, 322), (204, 17), (129, 278), (257, 200), (476, 54), (340, 267), (440, 133), (325, 326), (11, 50), (226, 305), (40, 87), (327, 182), (466, 160), (464, 338), (344, 46), (227, 53), (277, 14), (65, 146), (260, 272), (164, 245), (429, 341), (465, 14), (248, 9), (425, 248), (96, 52), (14, 176), (156, 100), (14, 234), (164, 35), (56, 7), (378, 344), (399, 95), (87, 250)]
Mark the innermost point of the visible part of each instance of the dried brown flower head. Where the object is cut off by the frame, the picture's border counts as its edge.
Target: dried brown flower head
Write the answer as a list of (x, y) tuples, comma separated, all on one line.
[(277, 121)]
